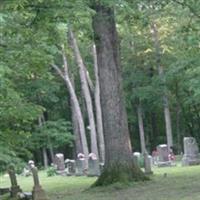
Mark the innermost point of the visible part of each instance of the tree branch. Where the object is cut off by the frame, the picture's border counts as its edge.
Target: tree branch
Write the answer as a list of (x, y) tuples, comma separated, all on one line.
[(58, 71), (64, 62)]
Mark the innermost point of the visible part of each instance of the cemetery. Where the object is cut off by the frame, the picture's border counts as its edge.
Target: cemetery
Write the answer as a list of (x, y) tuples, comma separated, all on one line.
[(72, 175), (99, 100)]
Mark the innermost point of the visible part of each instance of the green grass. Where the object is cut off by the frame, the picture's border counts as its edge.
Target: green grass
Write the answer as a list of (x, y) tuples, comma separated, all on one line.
[(180, 183)]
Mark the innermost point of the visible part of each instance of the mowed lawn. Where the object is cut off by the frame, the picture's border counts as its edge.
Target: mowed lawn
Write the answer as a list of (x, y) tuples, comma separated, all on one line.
[(172, 183)]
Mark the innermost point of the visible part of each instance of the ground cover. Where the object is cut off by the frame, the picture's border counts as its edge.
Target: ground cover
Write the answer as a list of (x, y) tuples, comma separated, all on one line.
[(171, 183)]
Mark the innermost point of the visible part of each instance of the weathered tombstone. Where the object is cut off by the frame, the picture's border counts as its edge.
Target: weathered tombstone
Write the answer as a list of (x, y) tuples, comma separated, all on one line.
[(70, 166), (38, 193), (31, 164), (93, 165), (163, 153), (59, 161), (25, 195), (147, 163), (13, 179), (80, 165), (191, 152), (136, 158), (163, 156), (26, 172)]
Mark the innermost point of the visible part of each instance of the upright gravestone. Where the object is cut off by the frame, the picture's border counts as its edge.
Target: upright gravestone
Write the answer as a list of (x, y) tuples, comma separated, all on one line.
[(14, 186), (191, 152), (163, 156), (80, 165), (147, 163), (137, 158), (70, 166), (38, 193), (59, 161), (93, 165)]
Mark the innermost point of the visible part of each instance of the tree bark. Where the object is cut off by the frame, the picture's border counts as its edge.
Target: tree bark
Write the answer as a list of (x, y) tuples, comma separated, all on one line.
[(99, 122), (119, 165), (51, 152), (141, 129), (44, 150), (86, 92), (45, 157), (78, 144), (65, 77), (167, 116), (89, 81)]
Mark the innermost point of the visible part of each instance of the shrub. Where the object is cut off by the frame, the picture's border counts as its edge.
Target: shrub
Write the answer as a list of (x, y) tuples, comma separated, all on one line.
[(51, 171)]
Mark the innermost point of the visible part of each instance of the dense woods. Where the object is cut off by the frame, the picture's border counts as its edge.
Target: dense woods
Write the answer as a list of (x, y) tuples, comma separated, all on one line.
[(145, 70)]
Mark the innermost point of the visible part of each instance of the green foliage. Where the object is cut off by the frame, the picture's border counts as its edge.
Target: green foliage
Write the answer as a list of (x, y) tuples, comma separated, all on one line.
[(55, 133), (7, 157), (51, 171)]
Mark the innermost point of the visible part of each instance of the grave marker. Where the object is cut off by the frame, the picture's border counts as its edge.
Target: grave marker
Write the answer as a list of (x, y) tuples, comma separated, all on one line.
[(191, 152), (93, 165), (13, 179), (38, 193)]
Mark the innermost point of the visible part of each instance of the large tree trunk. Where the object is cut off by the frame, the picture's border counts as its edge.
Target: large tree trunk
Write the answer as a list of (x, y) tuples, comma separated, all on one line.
[(86, 92), (141, 129), (119, 165), (165, 97), (99, 122), (79, 117)]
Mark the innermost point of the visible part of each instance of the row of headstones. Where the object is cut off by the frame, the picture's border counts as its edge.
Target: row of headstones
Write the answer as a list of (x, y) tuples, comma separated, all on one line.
[(148, 163), (191, 154), (78, 167), (15, 191)]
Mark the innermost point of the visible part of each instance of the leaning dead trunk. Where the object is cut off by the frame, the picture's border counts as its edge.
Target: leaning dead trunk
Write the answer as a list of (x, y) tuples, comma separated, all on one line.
[(77, 109), (165, 97), (99, 123), (119, 165), (86, 92), (141, 129)]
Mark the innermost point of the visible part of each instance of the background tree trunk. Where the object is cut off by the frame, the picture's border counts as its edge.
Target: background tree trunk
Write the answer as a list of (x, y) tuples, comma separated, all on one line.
[(77, 108), (51, 152), (141, 129), (167, 116), (77, 141), (86, 92), (45, 157), (119, 166), (44, 150), (99, 123)]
